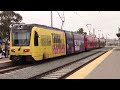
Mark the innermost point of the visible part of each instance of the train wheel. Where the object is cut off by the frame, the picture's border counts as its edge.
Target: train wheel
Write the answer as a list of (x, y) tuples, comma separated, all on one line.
[(18, 60), (15, 62)]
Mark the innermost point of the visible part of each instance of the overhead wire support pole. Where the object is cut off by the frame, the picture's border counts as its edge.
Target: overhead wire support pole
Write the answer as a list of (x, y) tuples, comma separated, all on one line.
[(88, 28), (99, 33), (62, 19), (80, 16), (51, 18)]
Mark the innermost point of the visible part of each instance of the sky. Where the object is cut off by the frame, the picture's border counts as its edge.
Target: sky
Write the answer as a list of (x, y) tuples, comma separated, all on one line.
[(103, 22)]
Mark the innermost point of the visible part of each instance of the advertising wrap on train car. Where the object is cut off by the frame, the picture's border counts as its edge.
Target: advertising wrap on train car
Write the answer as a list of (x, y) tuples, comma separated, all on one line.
[(79, 42), (58, 43), (70, 43), (35, 42)]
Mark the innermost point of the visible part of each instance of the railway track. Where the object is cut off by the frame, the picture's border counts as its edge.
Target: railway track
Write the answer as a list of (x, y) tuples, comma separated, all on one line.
[(11, 68), (58, 72), (67, 69)]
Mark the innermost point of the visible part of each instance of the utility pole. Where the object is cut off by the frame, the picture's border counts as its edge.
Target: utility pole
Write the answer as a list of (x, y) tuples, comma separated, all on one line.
[(102, 36), (51, 19), (93, 31), (88, 28), (99, 33), (106, 39), (62, 19)]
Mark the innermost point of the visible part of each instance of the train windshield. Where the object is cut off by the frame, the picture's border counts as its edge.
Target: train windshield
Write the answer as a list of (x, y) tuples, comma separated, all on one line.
[(21, 38)]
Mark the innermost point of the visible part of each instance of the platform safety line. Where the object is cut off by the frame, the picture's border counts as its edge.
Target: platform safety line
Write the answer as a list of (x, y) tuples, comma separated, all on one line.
[(83, 72), (5, 61)]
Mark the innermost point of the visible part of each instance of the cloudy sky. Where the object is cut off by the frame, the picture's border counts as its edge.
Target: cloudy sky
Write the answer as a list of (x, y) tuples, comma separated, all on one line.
[(104, 22)]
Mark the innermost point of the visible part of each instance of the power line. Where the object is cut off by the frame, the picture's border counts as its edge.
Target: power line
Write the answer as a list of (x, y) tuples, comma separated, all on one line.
[(101, 20), (80, 16), (59, 15), (84, 22), (62, 18)]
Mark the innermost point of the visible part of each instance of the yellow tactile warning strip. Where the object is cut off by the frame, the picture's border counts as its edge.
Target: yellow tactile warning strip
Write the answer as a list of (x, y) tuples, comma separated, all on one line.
[(5, 61), (83, 72)]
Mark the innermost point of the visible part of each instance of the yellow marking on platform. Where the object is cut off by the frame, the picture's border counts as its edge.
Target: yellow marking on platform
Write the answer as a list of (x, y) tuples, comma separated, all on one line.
[(5, 61), (83, 72)]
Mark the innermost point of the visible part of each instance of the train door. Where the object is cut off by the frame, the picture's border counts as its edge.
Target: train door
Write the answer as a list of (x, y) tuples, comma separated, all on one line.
[(35, 42)]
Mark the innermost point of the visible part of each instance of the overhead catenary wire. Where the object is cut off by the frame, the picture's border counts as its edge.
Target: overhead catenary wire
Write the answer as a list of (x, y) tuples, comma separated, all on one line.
[(84, 21), (81, 17), (101, 20), (62, 19)]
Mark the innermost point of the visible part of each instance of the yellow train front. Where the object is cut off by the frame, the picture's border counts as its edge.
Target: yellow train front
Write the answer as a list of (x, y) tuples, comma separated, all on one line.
[(33, 42)]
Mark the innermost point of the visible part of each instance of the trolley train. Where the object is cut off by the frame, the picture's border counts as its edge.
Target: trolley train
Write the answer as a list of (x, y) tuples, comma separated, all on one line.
[(38, 42)]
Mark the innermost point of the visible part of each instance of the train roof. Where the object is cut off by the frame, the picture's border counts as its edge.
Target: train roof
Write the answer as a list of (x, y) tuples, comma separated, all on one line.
[(30, 26)]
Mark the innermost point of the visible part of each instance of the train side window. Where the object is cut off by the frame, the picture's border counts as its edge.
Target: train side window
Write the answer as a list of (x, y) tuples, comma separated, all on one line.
[(36, 39)]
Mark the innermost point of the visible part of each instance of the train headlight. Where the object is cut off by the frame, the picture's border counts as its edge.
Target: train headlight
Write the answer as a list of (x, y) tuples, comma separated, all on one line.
[(12, 50), (26, 50)]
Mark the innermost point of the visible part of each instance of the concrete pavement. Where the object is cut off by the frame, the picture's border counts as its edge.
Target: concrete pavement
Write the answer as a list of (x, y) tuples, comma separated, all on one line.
[(108, 69)]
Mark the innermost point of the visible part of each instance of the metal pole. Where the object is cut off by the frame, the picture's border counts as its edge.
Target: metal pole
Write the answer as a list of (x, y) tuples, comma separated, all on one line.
[(51, 19), (93, 31), (99, 33), (106, 39), (88, 28)]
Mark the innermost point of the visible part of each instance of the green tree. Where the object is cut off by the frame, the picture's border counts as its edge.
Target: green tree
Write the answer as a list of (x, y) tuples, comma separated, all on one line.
[(85, 33), (6, 19), (81, 31), (118, 34)]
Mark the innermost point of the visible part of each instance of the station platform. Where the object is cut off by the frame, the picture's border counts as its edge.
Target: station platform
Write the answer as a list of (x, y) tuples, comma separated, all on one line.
[(106, 66), (3, 59)]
